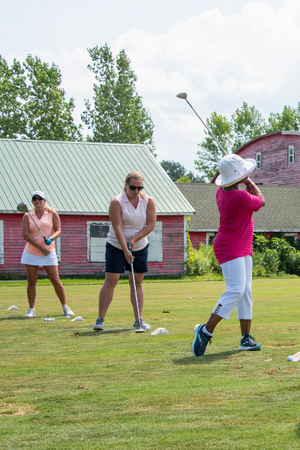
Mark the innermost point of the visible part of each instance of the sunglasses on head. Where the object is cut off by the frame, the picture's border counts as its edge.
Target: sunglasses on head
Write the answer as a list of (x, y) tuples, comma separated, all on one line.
[(133, 188), (34, 199)]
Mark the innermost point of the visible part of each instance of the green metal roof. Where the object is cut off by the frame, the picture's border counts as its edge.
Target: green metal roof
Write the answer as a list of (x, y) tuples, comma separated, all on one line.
[(81, 177)]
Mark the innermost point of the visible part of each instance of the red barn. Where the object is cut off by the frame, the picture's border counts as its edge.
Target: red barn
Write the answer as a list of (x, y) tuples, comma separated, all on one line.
[(79, 179), (277, 158)]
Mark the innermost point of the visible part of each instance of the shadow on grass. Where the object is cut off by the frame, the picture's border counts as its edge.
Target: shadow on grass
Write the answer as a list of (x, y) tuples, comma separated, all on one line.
[(29, 319), (103, 332), (205, 359), (297, 431)]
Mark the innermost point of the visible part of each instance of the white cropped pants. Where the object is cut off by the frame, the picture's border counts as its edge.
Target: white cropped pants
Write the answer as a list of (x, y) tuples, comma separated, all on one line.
[(238, 278)]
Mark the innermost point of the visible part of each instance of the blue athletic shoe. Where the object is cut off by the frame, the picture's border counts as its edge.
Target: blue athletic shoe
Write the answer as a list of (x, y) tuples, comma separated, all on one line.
[(200, 342), (248, 343)]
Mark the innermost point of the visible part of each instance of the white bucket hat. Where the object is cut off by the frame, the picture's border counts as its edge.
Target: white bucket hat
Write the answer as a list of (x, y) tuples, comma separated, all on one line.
[(39, 193), (233, 168)]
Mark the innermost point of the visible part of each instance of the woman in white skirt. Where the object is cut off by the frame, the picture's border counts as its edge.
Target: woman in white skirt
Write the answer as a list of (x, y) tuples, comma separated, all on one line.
[(38, 252)]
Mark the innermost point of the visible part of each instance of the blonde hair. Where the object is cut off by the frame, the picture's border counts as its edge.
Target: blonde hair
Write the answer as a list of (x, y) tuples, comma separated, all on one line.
[(133, 176), (48, 208)]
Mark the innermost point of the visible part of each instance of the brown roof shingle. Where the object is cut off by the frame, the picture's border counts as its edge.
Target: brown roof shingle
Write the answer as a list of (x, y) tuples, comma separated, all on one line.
[(281, 212)]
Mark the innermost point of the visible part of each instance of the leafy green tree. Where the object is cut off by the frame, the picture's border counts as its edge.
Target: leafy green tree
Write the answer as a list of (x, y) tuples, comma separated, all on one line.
[(210, 153), (13, 93), (48, 114), (177, 172), (174, 169), (247, 123), (194, 178), (289, 119), (117, 113), (184, 179)]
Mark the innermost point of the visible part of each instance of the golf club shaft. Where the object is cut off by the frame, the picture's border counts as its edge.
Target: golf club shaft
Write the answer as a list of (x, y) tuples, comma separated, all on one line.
[(135, 293), (37, 226), (134, 287), (215, 139)]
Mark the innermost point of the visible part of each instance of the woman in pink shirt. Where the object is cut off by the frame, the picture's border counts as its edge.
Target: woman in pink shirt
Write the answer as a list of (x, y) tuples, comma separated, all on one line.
[(38, 252), (233, 249)]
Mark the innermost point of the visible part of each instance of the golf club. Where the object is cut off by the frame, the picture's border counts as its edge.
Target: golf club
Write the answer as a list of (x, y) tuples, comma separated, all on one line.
[(22, 207), (183, 95), (140, 329)]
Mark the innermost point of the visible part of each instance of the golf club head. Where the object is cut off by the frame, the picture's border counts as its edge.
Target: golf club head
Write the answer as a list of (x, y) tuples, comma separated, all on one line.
[(182, 95), (22, 207), (140, 330)]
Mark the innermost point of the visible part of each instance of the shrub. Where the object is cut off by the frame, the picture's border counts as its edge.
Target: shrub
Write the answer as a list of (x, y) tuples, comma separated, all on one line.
[(287, 259), (259, 271), (268, 260), (203, 261)]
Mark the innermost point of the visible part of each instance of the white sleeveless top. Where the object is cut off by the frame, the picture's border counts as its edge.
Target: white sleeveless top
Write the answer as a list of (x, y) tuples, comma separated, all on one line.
[(133, 221)]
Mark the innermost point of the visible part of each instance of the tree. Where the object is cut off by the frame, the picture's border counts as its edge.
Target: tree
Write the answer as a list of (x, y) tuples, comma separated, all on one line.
[(210, 152), (174, 169), (13, 93), (117, 114), (177, 172), (184, 179), (194, 178), (48, 114), (247, 123), (288, 120)]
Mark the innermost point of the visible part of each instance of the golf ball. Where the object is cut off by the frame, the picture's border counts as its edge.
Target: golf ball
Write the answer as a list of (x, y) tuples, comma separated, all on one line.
[(290, 358), (68, 317)]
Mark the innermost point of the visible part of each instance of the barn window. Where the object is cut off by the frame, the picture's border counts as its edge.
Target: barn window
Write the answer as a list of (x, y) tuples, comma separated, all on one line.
[(291, 154), (96, 241), (258, 161), (210, 238), (1, 243), (155, 244), (291, 238), (57, 248)]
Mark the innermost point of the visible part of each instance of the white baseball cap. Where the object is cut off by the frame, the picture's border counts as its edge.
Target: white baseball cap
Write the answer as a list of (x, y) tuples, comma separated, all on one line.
[(40, 193), (233, 168)]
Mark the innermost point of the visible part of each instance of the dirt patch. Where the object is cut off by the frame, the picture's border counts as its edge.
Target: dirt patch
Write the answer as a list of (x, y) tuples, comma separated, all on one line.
[(12, 409)]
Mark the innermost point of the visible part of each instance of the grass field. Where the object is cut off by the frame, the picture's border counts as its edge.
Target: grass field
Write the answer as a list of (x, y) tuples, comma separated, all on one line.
[(64, 386)]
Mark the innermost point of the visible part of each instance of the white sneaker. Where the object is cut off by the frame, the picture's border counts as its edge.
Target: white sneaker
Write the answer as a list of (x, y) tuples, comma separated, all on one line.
[(30, 313), (99, 325), (67, 311), (141, 324)]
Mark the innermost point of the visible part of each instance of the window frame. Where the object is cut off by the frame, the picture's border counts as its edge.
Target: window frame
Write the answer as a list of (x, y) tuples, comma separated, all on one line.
[(258, 160), (291, 147)]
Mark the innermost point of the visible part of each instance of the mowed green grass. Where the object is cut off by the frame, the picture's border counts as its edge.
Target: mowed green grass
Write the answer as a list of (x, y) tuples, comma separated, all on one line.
[(64, 386)]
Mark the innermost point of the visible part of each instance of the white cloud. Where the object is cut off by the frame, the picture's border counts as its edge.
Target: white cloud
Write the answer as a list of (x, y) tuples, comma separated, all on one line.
[(219, 58)]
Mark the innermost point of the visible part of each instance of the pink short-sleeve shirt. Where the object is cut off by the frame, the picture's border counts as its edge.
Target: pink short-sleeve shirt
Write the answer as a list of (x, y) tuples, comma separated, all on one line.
[(235, 235)]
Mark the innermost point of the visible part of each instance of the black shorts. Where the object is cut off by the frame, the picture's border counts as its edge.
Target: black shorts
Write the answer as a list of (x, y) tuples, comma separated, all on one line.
[(116, 261)]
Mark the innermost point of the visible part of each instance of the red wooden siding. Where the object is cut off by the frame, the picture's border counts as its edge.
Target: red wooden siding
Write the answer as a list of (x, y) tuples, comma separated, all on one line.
[(197, 238), (275, 169), (74, 246)]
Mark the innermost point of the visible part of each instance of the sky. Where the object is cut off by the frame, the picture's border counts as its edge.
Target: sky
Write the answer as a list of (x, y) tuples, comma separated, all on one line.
[(220, 52)]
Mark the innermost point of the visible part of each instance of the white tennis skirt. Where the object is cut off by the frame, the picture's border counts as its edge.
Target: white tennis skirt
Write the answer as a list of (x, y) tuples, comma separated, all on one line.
[(39, 260)]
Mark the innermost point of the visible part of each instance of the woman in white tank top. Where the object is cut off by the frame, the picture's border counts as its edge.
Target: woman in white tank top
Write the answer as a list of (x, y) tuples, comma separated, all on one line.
[(133, 217)]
